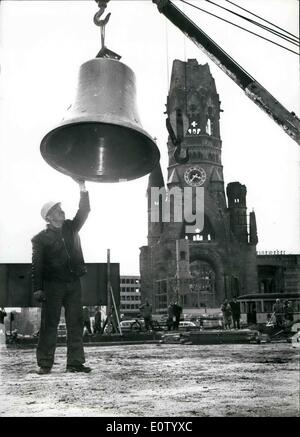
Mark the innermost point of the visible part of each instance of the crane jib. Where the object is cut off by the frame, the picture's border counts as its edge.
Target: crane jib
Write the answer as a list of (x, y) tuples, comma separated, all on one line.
[(287, 120)]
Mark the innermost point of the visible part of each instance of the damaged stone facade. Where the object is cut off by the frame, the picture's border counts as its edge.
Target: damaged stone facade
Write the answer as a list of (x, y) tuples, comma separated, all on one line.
[(199, 268)]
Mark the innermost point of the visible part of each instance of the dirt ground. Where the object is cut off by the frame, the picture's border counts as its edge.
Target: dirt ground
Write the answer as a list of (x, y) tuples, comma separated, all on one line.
[(156, 380)]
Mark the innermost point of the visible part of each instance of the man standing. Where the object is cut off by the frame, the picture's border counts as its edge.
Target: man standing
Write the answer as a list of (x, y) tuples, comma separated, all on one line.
[(170, 316), (236, 313), (57, 264), (86, 321), (288, 311), (278, 312), (2, 316), (97, 328), (227, 314), (2, 327), (177, 310), (146, 309)]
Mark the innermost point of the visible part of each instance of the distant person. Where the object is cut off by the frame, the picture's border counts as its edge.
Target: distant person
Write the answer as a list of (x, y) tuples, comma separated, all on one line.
[(177, 310), (236, 313), (278, 312), (57, 265), (3, 314), (86, 320), (227, 313), (146, 310), (288, 311), (97, 327), (253, 314), (11, 320), (170, 316)]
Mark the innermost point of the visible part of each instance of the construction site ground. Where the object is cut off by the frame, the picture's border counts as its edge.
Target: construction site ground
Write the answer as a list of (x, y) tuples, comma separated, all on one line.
[(155, 380)]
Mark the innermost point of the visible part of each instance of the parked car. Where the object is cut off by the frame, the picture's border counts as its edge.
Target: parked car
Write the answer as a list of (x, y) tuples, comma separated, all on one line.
[(160, 323), (188, 326)]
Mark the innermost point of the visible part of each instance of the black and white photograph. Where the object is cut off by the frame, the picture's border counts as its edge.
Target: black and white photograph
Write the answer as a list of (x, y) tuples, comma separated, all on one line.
[(150, 210)]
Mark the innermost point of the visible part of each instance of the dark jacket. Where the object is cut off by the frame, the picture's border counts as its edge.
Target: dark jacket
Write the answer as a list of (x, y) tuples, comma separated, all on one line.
[(177, 310), (57, 254), (146, 310), (2, 316), (235, 308)]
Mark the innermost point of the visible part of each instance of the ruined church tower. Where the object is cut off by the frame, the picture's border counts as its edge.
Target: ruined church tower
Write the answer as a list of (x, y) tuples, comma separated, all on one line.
[(198, 267)]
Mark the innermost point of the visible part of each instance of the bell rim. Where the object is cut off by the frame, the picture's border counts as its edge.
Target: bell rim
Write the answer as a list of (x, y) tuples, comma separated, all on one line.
[(95, 119), (99, 178)]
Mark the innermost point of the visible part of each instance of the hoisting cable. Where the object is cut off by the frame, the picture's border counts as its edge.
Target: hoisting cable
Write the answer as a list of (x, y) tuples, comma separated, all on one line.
[(167, 54), (292, 40), (249, 31), (104, 52), (263, 19)]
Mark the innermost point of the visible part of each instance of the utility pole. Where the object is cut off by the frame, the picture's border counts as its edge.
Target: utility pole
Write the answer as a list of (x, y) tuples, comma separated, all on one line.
[(177, 272), (111, 304)]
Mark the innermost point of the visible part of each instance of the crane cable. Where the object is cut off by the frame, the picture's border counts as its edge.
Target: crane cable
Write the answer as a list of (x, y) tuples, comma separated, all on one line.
[(263, 19), (167, 54), (249, 31), (292, 40)]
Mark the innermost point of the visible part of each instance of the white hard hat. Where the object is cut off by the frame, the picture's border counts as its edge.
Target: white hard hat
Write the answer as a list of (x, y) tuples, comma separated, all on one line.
[(46, 208)]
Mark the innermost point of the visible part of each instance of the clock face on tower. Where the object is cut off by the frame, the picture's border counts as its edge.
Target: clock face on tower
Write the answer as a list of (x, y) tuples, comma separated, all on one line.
[(195, 176)]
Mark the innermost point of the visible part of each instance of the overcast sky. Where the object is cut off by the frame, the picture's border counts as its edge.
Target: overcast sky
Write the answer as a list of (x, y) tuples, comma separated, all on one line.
[(43, 43)]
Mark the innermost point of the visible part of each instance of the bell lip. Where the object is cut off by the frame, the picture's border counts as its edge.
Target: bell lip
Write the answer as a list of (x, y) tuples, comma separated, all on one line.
[(99, 178), (101, 119)]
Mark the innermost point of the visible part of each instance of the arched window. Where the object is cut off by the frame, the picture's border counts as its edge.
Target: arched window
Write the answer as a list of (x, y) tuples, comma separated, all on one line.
[(202, 283), (208, 126)]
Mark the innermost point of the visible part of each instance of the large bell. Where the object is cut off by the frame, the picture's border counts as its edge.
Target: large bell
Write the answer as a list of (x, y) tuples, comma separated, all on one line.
[(101, 139)]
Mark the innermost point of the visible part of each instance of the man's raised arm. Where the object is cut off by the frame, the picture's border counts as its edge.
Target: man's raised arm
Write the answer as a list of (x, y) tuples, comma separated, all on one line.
[(84, 206)]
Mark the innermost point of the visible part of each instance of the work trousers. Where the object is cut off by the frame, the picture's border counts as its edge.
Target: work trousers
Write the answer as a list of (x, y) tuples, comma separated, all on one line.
[(148, 323), (2, 334), (176, 323), (236, 322), (87, 325), (58, 294)]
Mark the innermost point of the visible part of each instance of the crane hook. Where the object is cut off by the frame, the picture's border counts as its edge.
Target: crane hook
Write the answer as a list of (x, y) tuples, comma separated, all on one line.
[(104, 52), (98, 15)]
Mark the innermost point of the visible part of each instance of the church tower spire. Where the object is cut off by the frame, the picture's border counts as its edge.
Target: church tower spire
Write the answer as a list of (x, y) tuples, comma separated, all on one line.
[(193, 107), (197, 264)]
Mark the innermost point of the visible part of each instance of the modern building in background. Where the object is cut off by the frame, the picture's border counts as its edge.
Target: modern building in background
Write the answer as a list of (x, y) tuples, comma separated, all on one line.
[(278, 278), (130, 296), (278, 272)]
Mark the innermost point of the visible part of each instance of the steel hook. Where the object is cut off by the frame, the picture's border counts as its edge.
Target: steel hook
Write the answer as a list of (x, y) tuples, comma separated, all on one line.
[(104, 52), (102, 6), (97, 16)]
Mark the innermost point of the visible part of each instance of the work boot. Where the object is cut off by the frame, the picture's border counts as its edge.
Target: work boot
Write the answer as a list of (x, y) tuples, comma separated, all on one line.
[(79, 368), (44, 370)]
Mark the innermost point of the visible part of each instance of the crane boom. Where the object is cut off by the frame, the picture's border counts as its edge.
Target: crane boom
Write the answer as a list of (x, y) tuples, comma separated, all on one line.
[(289, 122)]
